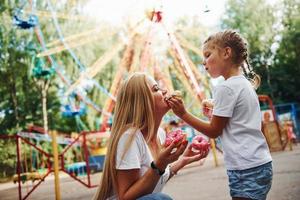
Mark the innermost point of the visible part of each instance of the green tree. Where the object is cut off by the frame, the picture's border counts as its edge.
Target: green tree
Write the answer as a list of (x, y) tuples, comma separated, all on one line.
[(286, 69), (274, 26), (255, 20), (16, 88)]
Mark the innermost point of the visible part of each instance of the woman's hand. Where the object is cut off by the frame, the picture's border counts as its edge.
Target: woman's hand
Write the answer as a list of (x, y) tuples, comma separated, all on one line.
[(170, 154), (190, 156), (176, 104)]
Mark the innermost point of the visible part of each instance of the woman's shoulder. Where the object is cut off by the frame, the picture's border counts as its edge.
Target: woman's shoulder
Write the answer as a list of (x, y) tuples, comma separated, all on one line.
[(131, 146), (136, 134), (132, 131)]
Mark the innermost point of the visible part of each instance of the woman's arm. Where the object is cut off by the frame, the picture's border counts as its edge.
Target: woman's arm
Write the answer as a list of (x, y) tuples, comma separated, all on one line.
[(132, 186)]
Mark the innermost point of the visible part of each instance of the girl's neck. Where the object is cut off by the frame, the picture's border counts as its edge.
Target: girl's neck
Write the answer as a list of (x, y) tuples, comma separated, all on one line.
[(232, 71)]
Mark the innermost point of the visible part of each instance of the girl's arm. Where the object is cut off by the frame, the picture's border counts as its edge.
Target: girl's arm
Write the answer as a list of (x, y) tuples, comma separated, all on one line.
[(212, 129), (132, 186)]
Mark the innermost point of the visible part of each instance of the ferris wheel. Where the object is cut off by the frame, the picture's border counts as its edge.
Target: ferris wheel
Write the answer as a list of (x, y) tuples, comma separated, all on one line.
[(90, 60)]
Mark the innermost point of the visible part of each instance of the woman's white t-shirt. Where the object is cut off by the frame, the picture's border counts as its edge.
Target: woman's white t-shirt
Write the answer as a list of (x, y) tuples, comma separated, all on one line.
[(244, 145), (137, 156)]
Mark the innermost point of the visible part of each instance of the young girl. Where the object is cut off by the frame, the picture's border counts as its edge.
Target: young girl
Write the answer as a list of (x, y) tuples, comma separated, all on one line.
[(136, 165), (236, 117)]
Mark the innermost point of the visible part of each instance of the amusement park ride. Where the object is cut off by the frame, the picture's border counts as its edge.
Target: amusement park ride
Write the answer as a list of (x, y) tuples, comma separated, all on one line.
[(188, 73), (137, 55)]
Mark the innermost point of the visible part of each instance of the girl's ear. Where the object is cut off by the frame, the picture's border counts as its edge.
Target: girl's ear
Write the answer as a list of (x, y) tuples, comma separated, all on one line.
[(227, 52)]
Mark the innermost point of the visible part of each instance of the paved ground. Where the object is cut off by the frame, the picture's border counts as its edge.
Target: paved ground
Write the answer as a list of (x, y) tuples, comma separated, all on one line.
[(195, 182)]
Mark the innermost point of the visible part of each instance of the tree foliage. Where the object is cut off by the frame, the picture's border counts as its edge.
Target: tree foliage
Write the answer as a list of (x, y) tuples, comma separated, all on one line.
[(286, 68), (256, 24), (19, 102), (262, 26)]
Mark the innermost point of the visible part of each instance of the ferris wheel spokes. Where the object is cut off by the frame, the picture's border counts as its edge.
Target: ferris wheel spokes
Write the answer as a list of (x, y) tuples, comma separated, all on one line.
[(46, 14), (62, 47), (74, 37), (103, 60)]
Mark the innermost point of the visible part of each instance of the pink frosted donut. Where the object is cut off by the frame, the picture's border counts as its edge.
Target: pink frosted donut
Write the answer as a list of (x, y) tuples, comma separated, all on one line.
[(199, 143), (177, 136)]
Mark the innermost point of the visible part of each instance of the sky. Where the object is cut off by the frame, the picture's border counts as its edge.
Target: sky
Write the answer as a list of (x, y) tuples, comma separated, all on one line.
[(115, 11)]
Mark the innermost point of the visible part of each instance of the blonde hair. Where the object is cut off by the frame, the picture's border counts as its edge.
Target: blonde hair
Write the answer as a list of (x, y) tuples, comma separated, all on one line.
[(133, 110), (239, 46)]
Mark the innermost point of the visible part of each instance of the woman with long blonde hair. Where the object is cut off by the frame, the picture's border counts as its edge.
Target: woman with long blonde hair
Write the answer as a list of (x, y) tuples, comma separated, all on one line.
[(136, 165)]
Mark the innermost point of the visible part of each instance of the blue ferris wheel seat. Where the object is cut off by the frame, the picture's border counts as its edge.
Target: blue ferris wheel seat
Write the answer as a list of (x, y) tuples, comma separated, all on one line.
[(25, 24)]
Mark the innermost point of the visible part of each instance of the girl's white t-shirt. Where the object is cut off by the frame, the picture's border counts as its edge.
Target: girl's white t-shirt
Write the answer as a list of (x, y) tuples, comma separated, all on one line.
[(138, 156), (244, 145)]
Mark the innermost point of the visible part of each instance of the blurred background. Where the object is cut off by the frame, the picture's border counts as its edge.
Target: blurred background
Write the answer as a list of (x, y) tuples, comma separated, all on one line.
[(61, 63)]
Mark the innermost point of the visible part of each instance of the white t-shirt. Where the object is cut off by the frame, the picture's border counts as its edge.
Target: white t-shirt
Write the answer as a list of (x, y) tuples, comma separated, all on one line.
[(138, 156), (244, 145)]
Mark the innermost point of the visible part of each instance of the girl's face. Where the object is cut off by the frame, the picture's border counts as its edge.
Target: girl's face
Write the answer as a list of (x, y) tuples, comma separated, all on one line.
[(159, 95), (213, 60)]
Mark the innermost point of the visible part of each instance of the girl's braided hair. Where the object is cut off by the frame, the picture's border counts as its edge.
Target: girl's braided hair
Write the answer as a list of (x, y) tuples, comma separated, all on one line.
[(239, 46)]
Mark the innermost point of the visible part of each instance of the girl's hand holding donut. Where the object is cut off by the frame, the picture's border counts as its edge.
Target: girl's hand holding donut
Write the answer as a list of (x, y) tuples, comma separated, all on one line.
[(207, 106), (176, 104)]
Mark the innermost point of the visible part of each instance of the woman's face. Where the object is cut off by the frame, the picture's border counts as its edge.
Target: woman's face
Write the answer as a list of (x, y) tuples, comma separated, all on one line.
[(159, 95)]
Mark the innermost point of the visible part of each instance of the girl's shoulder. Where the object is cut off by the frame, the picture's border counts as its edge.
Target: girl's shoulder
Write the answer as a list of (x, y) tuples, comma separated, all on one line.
[(234, 81), (224, 89), (233, 85)]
